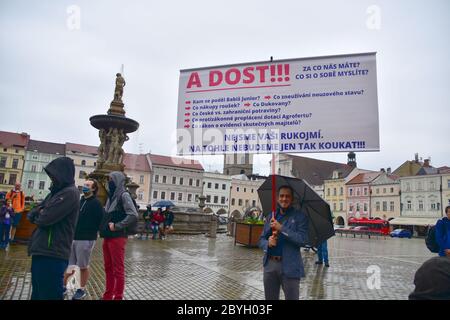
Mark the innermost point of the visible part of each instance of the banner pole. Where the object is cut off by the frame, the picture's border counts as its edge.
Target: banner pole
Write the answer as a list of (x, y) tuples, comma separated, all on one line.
[(274, 187)]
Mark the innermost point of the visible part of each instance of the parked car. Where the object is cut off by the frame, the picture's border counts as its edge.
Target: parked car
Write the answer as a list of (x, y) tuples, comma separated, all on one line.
[(401, 233), (223, 220)]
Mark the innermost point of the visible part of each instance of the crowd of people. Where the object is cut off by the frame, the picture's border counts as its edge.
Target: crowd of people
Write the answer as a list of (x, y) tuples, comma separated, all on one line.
[(67, 228), (159, 223)]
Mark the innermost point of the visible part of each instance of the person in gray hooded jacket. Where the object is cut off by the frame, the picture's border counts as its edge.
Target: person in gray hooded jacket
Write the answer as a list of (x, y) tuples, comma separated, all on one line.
[(120, 215), (51, 242)]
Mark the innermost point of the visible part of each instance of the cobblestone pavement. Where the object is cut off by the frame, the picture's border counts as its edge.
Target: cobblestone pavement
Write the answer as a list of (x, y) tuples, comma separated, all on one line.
[(196, 267)]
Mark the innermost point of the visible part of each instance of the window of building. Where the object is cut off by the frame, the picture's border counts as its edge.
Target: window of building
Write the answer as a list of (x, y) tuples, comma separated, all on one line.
[(334, 191), (216, 186), (357, 192), (82, 174), (164, 179), (247, 202), (240, 202), (163, 195), (233, 202), (351, 207), (377, 206), (30, 184), (408, 205), (421, 205), (141, 179), (5, 149), (350, 191), (209, 185), (174, 180), (17, 150), (216, 199), (83, 162), (2, 178), (12, 178), (34, 157), (341, 206), (341, 192), (365, 207), (41, 185), (384, 206), (191, 182), (156, 178), (189, 197), (208, 198), (392, 190), (328, 191), (433, 206), (377, 190), (181, 181), (334, 206), (33, 168), (237, 189), (254, 203), (391, 206), (180, 196), (245, 189), (155, 194), (419, 185), (15, 163), (357, 207), (432, 185), (365, 191), (172, 196), (198, 183), (384, 190), (2, 162), (224, 187), (95, 164), (252, 190), (408, 186), (196, 197)]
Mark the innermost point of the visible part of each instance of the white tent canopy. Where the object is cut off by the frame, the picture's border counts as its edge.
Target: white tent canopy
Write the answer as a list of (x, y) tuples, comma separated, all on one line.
[(414, 221)]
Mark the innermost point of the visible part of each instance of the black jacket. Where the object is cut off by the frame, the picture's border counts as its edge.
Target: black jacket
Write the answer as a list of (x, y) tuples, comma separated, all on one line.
[(91, 213), (57, 215)]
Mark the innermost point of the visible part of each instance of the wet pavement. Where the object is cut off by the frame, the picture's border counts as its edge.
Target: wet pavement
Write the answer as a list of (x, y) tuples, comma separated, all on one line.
[(196, 267)]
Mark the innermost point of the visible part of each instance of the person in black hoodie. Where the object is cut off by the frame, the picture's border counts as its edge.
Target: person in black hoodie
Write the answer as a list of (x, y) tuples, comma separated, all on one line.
[(91, 213), (51, 241)]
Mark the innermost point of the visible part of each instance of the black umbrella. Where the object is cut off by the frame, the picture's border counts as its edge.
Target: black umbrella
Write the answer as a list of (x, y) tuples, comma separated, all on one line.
[(306, 200)]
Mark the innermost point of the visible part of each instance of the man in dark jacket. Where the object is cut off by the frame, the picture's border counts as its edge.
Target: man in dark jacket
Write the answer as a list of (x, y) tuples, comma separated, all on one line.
[(432, 280), (91, 214), (283, 265), (120, 215), (51, 241)]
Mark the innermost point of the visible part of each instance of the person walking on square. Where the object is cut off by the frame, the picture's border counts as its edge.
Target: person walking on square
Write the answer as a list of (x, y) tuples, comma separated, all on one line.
[(168, 221), (51, 242), (120, 216), (6, 217), (443, 234), (147, 216), (157, 219), (322, 254), (17, 198), (90, 216), (281, 240)]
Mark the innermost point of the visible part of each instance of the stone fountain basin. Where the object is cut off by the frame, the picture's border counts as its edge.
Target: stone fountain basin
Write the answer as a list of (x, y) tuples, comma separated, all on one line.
[(106, 121)]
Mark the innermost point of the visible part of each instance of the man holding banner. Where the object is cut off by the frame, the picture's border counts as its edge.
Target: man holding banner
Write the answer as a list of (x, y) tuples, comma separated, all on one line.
[(281, 239)]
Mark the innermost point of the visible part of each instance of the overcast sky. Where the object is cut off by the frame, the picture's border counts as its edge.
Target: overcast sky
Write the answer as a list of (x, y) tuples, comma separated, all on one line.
[(54, 76)]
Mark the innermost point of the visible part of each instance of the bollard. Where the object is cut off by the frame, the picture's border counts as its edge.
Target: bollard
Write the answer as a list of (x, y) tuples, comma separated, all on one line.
[(213, 226)]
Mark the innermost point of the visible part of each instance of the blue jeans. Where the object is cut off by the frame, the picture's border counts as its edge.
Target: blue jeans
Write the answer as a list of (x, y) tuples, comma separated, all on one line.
[(4, 234), (322, 252), (47, 277)]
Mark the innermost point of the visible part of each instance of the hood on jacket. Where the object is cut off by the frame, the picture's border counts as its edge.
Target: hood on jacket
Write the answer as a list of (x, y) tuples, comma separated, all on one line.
[(119, 180), (62, 173), (432, 280)]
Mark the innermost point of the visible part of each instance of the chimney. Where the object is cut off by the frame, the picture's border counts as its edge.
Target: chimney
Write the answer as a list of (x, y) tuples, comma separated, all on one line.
[(426, 163), (388, 170), (382, 170), (416, 157)]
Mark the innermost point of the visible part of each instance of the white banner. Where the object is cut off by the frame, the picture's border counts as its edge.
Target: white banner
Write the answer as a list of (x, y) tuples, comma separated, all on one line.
[(324, 104)]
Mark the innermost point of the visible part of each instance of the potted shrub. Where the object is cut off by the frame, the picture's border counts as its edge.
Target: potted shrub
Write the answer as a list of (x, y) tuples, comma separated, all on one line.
[(248, 231)]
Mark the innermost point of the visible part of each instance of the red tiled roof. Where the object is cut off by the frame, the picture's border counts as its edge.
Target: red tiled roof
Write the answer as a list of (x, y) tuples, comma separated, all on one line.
[(81, 148), (136, 162), (175, 162), (11, 139), (444, 169), (46, 147), (364, 178)]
